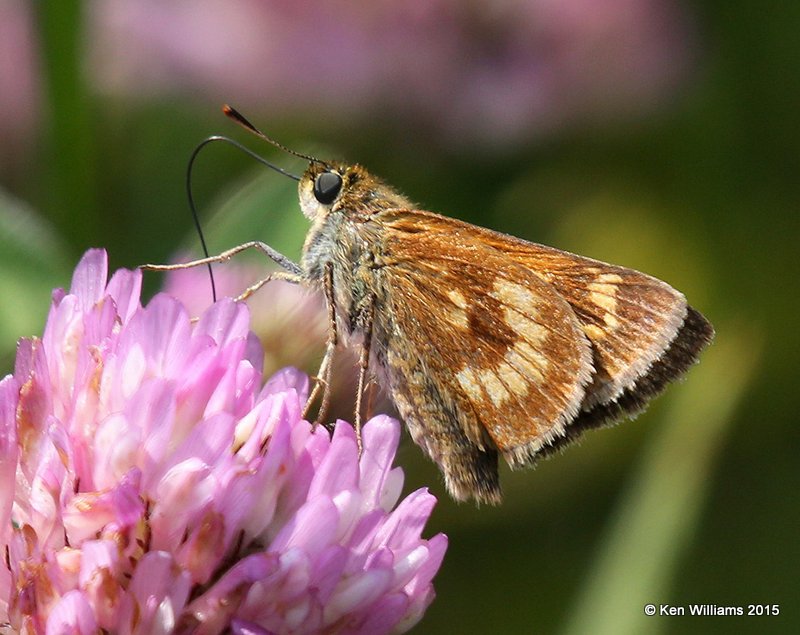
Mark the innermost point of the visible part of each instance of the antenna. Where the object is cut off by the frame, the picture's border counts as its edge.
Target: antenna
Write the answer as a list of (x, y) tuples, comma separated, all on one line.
[(240, 119)]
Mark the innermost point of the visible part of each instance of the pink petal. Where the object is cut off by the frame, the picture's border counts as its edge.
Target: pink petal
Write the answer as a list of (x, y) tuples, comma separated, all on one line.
[(420, 585), (223, 397), (339, 468), (254, 352), (98, 570), (328, 569), (99, 322), (242, 627), (215, 607), (87, 514), (89, 279), (384, 614), (151, 415), (9, 389), (125, 287), (209, 441), (160, 590), (23, 363), (409, 565), (203, 546), (72, 615), (162, 329), (312, 528), (284, 380), (407, 520), (96, 554), (225, 321), (357, 593), (117, 449), (381, 436), (182, 496)]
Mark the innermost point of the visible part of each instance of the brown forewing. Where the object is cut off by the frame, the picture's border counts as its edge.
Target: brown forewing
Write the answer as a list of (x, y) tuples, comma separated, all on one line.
[(642, 331), (499, 343)]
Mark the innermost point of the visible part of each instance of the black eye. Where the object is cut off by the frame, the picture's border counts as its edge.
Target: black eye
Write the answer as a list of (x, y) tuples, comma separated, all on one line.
[(327, 186)]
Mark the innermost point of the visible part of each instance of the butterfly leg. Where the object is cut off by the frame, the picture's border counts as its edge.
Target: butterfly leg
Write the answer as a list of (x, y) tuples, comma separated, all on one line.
[(274, 255), (323, 378), (322, 383), (370, 391), (363, 367), (275, 275)]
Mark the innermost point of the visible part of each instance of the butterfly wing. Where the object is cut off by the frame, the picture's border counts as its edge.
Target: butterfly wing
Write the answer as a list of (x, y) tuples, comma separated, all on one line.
[(519, 347), (643, 333), (482, 354)]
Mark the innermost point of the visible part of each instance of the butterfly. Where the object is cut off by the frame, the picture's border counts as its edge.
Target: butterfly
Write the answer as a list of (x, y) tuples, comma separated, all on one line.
[(487, 344)]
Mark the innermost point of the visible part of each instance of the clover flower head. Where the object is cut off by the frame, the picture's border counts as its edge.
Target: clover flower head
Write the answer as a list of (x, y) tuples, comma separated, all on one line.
[(150, 484)]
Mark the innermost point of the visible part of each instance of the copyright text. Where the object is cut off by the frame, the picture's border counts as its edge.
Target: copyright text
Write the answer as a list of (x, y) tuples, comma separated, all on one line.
[(712, 610)]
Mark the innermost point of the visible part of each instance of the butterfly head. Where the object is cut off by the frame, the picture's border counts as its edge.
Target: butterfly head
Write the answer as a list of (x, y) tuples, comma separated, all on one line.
[(331, 187)]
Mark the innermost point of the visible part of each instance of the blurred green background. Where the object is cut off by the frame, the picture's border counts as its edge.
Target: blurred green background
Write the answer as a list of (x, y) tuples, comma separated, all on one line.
[(656, 134)]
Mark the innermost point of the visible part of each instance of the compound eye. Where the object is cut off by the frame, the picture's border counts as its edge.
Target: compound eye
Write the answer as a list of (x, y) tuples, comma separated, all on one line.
[(326, 187)]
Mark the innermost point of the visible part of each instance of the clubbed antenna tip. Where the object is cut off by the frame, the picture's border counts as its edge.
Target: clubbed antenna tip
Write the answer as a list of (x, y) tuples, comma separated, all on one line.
[(240, 119)]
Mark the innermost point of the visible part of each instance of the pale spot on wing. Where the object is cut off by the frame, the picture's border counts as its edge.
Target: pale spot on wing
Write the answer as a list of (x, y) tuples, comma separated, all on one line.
[(505, 381), (513, 294), (529, 358), (457, 298), (467, 381), (515, 359), (457, 314), (523, 363), (524, 326), (494, 387), (515, 382), (594, 332), (602, 295), (458, 317)]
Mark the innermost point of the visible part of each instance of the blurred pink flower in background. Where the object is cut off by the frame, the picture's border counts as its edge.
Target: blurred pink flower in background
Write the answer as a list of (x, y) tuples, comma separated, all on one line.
[(149, 484), (19, 80), (495, 71)]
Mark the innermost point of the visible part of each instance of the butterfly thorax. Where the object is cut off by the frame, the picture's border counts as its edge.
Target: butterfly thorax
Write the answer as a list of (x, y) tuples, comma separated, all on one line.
[(347, 236)]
